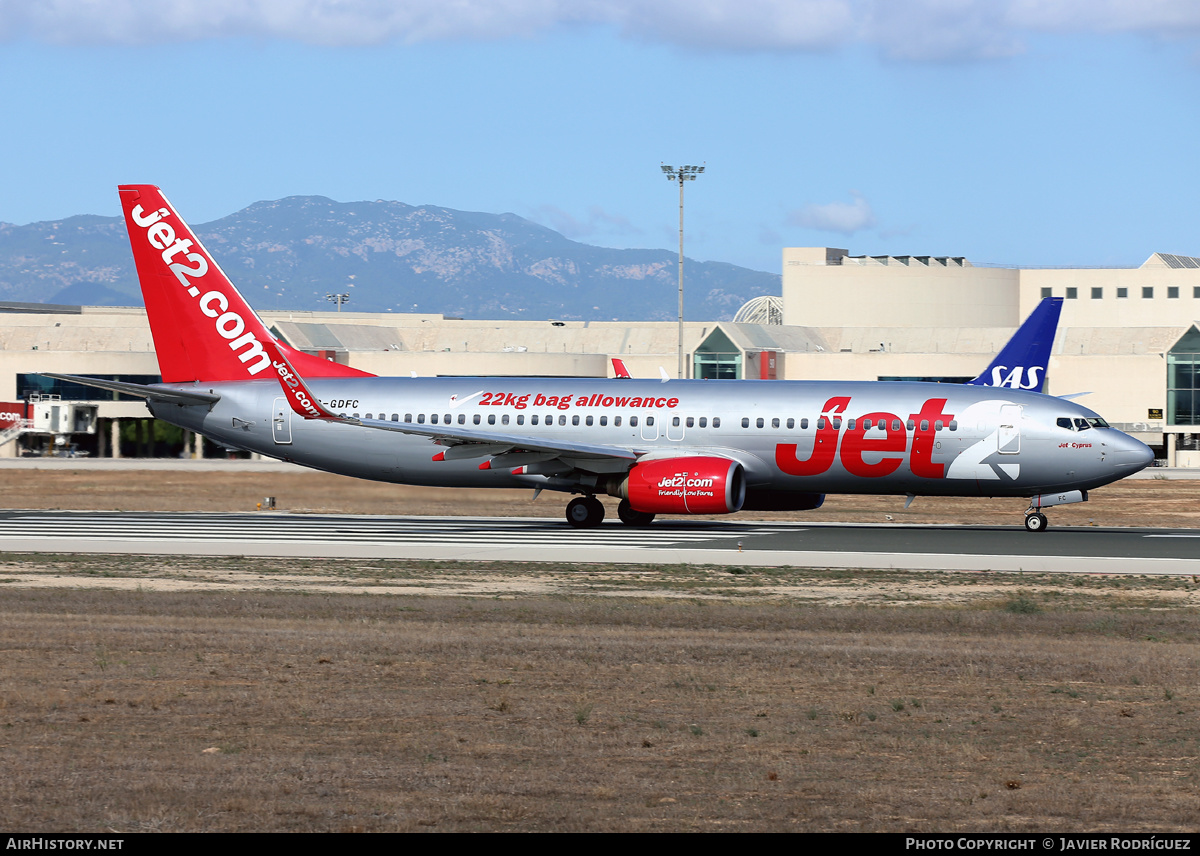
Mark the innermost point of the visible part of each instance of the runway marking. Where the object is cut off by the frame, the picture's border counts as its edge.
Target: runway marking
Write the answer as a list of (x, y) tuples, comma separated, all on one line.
[(251, 528)]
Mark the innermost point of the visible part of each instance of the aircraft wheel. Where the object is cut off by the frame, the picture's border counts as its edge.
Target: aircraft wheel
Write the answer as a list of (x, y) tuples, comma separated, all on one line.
[(1036, 522), (630, 517), (584, 512)]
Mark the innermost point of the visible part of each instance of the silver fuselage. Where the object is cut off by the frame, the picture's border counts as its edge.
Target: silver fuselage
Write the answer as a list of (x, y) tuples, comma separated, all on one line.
[(790, 436)]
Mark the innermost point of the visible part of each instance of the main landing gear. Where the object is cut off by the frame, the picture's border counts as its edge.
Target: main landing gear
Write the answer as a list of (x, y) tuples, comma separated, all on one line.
[(630, 517), (586, 512)]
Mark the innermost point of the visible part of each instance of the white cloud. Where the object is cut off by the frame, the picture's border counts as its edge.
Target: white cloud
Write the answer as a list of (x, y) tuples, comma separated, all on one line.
[(914, 29), (844, 217)]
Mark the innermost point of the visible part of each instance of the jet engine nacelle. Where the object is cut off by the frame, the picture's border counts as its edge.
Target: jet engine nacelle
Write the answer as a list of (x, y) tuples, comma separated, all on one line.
[(688, 485)]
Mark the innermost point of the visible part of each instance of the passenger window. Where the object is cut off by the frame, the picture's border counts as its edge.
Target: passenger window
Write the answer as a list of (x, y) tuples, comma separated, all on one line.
[(533, 420), (758, 423), (910, 425), (588, 421), (562, 420), (520, 419), (953, 424), (837, 423), (804, 424), (433, 419), (504, 419), (446, 419), (616, 421), (703, 421), (369, 416), (675, 422), (821, 424), (690, 422), (716, 421), (849, 424), (791, 423), (924, 424), (745, 421), (937, 426), (895, 424), (649, 420), (491, 419), (475, 419), (632, 421), (575, 420), (408, 417), (420, 418), (462, 419), (603, 421), (775, 423)]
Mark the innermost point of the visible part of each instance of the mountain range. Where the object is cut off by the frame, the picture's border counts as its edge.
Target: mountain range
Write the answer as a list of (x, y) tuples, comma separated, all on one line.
[(388, 256)]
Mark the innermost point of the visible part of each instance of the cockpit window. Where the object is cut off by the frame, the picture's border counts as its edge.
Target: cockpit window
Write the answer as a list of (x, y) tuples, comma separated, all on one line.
[(1081, 424), (1064, 422), (1097, 422)]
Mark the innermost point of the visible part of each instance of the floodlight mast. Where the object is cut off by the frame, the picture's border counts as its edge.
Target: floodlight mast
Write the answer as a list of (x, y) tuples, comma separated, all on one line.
[(682, 174), (339, 299)]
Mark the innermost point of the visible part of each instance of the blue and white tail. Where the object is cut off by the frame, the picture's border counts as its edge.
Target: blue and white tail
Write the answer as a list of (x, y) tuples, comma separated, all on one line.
[(1021, 364)]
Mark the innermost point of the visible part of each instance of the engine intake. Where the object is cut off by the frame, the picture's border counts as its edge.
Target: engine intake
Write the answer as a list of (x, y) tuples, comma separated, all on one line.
[(688, 485)]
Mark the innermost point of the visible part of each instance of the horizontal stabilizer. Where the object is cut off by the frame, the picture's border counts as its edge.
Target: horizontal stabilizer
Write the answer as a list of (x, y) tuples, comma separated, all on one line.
[(154, 393)]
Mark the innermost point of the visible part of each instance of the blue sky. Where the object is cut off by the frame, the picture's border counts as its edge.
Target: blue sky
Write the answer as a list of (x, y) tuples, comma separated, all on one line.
[(1030, 132)]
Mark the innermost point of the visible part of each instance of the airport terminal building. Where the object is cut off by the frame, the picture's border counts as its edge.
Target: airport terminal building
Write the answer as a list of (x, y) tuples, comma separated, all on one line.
[(1128, 337)]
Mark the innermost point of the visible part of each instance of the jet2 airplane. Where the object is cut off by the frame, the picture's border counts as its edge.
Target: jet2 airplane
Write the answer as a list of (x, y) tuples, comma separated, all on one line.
[(663, 447)]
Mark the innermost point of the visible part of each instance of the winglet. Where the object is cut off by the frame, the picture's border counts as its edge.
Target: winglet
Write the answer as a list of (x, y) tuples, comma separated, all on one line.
[(294, 388), (619, 369)]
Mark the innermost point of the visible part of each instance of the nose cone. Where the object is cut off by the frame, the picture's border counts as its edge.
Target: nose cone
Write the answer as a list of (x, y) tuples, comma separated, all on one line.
[(1128, 454)]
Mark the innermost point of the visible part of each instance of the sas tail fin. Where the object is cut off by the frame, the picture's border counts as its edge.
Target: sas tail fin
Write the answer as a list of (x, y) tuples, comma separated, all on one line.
[(203, 328), (1021, 364)]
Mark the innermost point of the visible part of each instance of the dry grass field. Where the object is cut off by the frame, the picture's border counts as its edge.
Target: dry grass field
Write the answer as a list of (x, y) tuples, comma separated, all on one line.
[(189, 694)]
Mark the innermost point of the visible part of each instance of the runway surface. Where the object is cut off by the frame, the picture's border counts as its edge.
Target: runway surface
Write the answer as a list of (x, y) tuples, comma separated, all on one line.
[(999, 548)]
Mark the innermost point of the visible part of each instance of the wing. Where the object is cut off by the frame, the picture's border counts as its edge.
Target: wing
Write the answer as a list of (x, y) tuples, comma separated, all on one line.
[(501, 448)]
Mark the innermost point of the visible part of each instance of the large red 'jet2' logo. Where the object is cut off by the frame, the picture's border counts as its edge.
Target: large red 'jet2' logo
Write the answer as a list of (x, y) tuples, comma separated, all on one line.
[(890, 446)]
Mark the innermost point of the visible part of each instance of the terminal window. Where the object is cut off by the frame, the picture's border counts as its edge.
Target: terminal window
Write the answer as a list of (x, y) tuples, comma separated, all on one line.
[(1122, 292), (1097, 293), (1172, 291), (1047, 292), (1072, 293), (1148, 291)]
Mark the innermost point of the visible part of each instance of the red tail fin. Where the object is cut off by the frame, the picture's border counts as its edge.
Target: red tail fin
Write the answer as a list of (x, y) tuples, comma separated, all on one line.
[(203, 329)]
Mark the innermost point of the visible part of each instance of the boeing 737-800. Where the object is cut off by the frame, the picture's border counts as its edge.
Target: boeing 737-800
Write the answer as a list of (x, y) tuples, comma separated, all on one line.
[(663, 447)]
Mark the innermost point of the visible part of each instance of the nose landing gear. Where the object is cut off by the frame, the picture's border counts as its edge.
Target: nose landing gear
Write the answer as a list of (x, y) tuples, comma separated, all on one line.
[(1036, 522)]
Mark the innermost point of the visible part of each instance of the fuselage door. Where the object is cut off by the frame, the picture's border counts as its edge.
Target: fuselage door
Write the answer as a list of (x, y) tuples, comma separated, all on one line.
[(649, 428), (1008, 439), (674, 427), (281, 422)]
